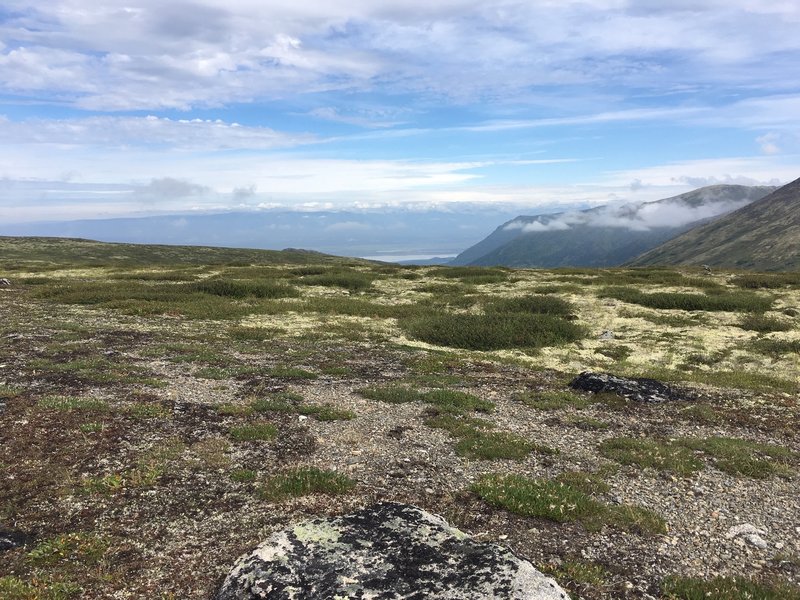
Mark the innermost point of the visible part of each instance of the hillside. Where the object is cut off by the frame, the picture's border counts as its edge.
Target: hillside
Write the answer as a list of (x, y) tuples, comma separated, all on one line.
[(160, 420), (603, 236), (18, 253), (764, 236)]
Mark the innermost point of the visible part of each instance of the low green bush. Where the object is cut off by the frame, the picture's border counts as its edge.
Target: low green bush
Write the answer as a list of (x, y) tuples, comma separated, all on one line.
[(492, 331), (723, 301)]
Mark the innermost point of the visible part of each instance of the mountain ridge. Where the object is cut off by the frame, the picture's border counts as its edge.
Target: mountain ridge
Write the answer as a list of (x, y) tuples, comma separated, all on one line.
[(604, 236), (764, 235)]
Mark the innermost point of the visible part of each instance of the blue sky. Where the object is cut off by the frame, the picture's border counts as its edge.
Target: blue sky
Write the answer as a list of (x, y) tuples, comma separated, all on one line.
[(149, 107)]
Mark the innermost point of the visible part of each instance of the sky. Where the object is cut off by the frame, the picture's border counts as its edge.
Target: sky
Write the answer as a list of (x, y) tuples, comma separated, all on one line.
[(148, 107)]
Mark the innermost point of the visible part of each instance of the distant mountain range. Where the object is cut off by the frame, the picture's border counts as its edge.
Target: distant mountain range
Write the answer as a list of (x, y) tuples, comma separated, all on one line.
[(605, 236), (763, 236), (381, 235)]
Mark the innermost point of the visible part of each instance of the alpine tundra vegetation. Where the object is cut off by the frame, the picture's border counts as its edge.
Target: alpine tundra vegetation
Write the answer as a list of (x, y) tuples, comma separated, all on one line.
[(166, 409)]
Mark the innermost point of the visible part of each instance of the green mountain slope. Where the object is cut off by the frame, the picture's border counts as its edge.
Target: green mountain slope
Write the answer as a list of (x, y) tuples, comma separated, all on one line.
[(764, 236), (604, 236)]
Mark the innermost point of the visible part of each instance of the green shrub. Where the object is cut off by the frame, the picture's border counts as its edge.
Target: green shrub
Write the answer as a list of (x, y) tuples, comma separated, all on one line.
[(763, 324), (724, 301), (767, 280), (492, 331), (773, 347), (243, 289)]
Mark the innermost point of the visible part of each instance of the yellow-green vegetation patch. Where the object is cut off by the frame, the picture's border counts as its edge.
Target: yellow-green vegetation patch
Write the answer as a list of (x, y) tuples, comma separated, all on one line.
[(701, 413), (456, 402), (554, 399), (303, 481), (73, 403), (69, 549), (291, 402), (243, 475), (577, 571), (147, 410), (477, 440), (560, 502), (743, 457), (15, 588), (732, 455), (727, 588), (9, 391), (441, 400), (392, 394), (211, 453), (148, 470), (93, 370), (663, 456)]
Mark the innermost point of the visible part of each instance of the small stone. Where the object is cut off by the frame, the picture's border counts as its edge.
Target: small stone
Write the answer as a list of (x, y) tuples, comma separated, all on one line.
[(607, 335), (779, 545)]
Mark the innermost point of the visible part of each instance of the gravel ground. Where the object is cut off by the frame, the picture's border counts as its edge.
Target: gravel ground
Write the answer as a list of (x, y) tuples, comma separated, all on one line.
[(176, 536)]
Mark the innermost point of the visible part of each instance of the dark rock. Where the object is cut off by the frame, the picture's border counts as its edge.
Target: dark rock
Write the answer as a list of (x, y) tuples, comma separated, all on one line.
[(640, 389), (386, 551), (10, 538)]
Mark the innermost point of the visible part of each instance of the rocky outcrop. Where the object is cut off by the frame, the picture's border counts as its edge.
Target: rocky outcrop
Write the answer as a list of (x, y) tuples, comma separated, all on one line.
[(10, 538), (386, 551), (639, 389)]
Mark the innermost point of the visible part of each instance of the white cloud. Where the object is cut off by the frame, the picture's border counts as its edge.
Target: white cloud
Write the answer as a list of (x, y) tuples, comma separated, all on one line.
[(769, 143), (151, 54), (152, 131)]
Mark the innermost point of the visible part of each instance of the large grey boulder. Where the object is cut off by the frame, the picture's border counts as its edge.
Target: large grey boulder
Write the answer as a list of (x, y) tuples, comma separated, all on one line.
[(386, 551), (639, 389)]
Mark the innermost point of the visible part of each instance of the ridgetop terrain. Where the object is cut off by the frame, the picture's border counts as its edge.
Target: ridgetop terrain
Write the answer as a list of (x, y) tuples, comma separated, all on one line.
[(166, 409)]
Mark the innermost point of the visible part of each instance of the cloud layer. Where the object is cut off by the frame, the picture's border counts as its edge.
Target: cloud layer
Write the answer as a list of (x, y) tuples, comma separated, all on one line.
[(149, 54)]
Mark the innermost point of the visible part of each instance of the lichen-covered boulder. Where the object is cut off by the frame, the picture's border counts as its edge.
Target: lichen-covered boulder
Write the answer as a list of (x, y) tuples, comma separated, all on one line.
[(386, 551), (639, 389)]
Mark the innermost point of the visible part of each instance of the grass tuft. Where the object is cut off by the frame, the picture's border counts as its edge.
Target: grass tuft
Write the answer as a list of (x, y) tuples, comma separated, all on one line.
[(303, 481), (727, 588)]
